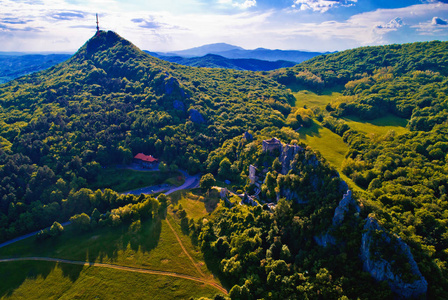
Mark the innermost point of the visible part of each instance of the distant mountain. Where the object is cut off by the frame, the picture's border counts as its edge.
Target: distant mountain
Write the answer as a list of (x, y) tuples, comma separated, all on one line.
[(16, 65), (203, 50), (217, 61), (230, 51)]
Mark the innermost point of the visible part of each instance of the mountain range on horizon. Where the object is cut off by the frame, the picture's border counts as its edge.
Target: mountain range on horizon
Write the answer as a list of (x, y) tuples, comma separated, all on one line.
[(234, 52), (218, 55)]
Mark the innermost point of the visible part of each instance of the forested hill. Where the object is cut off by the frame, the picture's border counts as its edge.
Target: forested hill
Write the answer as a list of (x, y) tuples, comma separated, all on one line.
[(217, 61), (107, 103), (341, 67), (404, 177)]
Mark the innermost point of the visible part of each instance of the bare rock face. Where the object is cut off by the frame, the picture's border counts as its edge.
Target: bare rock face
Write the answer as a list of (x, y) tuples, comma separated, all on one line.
[(325, 240), (287, 155), (343, 208), (346, 202), (383, 270)]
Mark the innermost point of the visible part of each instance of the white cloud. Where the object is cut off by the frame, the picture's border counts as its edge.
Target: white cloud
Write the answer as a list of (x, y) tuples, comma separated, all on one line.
[(438, 21), (321, 5), (434, 26), (370, 28), (246, 4), (392, 24), (55, 25), (239, 4)]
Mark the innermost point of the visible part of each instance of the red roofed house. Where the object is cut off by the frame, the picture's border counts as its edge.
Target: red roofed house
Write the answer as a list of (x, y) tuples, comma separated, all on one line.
[(146, 161)]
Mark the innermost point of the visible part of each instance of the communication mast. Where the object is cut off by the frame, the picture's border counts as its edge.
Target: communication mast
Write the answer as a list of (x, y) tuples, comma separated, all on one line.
[(97, 26)]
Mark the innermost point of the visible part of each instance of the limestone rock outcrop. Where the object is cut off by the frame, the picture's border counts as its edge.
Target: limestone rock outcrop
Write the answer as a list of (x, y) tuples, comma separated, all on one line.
[(341, 210), (343, 207), (287, 155), (382, 270)]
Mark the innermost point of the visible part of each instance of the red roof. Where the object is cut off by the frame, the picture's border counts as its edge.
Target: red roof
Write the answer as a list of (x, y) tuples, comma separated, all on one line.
[(147, 158)]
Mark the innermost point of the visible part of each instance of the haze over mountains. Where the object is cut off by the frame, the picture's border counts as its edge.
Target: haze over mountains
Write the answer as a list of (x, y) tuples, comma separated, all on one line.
[(219, 55), (13, 65), (230, 51)]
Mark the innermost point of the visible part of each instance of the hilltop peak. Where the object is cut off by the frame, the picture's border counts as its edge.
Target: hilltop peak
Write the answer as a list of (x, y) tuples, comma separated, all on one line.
[(103, 40)]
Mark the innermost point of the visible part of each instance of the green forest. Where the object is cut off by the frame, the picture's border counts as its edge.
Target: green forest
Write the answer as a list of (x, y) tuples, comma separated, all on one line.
[(59, 128)]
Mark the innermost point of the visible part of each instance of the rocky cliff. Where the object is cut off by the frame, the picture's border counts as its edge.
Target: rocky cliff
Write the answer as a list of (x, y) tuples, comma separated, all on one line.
[(287, 155), (344, 206), (407, 283), (382, 268)]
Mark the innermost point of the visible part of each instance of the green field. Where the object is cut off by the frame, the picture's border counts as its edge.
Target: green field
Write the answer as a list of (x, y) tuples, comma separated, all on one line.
[(310, 99), (195, 202), (328, 143), (153, 247), (48, 280), (380, 126), (122, 180), (331, 145)]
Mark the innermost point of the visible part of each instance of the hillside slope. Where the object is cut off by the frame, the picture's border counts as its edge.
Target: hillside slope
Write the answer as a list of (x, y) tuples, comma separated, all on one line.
[(404, 177), (107, 103), (111, 101)]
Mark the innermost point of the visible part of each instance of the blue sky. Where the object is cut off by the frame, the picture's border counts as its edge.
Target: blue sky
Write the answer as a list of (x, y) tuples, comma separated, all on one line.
[(316, 25)]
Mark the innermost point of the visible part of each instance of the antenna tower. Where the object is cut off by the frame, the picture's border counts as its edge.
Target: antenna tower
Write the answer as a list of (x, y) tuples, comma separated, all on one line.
[(97, 26)]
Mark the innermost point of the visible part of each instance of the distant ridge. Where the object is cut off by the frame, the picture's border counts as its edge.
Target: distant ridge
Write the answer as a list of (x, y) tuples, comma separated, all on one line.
[(230, 51), (16, 64), (204, 50), (217, 61)]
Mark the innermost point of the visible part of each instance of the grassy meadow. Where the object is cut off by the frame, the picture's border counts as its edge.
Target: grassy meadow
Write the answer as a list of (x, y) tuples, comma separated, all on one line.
[(380, 126), (331, 145), (153, 246), (310, 99), (195, 202), (48, 280)]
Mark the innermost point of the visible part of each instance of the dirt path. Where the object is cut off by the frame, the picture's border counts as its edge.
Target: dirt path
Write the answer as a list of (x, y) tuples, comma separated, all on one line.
[(117, 267), (183, 248), (190, 182)]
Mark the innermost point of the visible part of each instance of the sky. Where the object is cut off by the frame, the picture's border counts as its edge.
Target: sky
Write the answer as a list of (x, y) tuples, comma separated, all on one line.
[(167, 25)]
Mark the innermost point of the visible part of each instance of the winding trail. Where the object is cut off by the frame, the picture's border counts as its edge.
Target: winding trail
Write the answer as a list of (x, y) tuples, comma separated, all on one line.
[(116, 267), (190, 182), (185, 250)]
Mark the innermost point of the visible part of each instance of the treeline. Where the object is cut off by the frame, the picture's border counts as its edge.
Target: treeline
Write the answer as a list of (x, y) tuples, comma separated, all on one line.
[(19, 218), (339, 68), (141, 208)]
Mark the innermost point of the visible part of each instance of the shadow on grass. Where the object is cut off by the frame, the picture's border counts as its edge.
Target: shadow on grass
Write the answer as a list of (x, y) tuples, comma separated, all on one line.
[(97, 245), (311, 131), (210, 200), (13, 274), (213, 262), (388, 120)]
